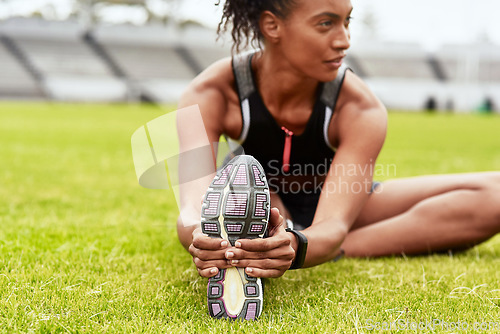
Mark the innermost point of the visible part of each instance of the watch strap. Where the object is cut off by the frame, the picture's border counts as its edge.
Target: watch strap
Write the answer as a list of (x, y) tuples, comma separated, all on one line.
[(300, 254)]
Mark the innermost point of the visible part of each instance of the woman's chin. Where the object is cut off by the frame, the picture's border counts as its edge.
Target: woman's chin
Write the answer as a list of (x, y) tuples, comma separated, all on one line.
[(327, 76)]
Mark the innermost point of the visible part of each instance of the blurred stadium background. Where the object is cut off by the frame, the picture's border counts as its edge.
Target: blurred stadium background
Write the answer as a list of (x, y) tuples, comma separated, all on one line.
[(83, 57)]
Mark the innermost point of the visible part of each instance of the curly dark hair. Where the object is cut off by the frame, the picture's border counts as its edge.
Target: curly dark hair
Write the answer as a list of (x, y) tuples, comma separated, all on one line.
[(245, 15)]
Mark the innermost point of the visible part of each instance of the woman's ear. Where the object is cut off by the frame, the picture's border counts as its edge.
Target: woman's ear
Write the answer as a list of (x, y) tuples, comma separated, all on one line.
[(270, 26)]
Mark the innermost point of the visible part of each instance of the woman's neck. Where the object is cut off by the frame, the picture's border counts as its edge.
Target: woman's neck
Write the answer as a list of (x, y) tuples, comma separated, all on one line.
[(281, 86)]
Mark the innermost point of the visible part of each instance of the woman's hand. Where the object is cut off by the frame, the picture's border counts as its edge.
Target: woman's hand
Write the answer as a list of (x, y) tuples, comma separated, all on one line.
[(268, 257), (208, 253)]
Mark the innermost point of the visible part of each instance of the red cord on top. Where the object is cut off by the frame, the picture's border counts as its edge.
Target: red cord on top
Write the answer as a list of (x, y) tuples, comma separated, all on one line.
[(287, 149)]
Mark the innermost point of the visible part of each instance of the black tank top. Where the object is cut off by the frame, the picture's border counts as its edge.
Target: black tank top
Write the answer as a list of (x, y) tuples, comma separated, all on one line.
[(264, 138), (310, 153)]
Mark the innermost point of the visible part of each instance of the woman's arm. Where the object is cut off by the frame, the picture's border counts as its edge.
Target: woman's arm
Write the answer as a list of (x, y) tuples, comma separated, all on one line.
[(196, 156), (360, 129), (197, 164)]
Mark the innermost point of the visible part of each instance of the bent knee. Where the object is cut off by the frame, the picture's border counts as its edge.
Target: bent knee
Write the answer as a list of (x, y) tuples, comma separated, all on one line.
[(476, 211), (484, 211), (488, 180)]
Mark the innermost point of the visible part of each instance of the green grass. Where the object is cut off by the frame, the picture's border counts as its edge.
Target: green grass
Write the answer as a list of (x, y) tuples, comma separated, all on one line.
[(84, 249)]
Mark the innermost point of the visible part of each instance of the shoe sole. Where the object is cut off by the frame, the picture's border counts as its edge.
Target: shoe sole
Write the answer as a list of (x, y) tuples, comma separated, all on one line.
[(236, 206)]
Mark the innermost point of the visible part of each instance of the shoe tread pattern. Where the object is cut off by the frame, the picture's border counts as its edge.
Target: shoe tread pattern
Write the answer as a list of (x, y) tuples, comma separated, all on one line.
[(236, 206)]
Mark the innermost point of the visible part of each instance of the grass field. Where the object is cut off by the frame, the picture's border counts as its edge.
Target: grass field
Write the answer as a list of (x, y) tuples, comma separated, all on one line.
[(85, 249)]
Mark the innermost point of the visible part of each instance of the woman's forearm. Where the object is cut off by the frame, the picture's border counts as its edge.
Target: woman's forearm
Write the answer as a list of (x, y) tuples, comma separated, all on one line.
[(186, 224)]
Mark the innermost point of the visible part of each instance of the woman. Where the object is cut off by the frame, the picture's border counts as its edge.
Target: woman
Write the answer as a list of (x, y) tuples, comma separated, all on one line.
[(297, 82)]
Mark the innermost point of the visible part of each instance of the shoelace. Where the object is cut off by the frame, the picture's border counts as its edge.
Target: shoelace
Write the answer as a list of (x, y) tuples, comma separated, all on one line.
[(287, 149)]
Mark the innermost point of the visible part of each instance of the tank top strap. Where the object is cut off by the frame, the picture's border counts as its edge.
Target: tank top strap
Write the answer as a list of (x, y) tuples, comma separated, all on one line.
[(331, 89), (242, 70), (329, 97)]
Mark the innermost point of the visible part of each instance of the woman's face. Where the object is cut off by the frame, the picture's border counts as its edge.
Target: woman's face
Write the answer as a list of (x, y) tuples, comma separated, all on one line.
[(315, 36)]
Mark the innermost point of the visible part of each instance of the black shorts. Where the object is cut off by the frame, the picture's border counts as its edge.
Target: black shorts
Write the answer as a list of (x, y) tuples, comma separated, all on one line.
[(302, 207)]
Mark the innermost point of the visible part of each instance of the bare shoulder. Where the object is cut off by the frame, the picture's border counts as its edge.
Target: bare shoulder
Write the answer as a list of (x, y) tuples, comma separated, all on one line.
[(212, 84), (359, 113), (213, 81), (214, 92)]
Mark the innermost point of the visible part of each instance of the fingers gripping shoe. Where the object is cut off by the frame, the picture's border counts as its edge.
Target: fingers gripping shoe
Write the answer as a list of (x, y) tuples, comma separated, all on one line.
[(236, 206)]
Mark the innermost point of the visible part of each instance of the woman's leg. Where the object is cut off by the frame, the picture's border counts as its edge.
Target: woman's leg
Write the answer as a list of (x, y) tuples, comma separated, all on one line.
[(427, 214)]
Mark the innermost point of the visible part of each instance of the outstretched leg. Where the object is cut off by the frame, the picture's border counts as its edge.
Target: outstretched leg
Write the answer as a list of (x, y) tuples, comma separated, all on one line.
[(427, 214)]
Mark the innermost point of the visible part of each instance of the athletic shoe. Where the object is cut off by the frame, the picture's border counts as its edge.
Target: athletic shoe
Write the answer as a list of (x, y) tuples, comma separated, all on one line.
[(236, 206)]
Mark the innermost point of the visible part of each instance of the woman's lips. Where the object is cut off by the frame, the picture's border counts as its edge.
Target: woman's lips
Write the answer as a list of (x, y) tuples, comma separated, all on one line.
[(334, 63)]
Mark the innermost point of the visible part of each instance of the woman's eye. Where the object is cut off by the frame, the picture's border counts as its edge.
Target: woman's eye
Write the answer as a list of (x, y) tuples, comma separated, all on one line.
[(348, 20), (325, 23)]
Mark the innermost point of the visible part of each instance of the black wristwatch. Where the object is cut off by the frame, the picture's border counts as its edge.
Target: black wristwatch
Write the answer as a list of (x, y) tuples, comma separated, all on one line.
[(300, 255)]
